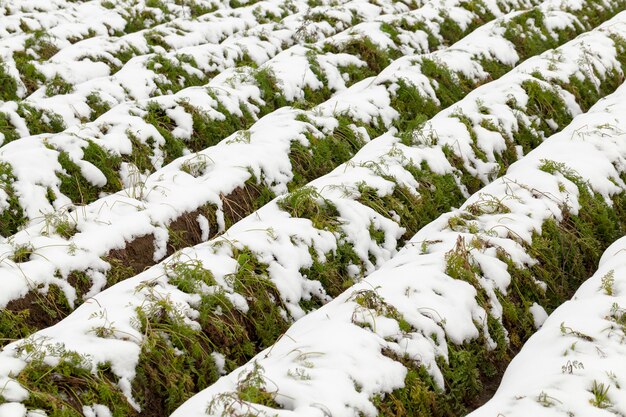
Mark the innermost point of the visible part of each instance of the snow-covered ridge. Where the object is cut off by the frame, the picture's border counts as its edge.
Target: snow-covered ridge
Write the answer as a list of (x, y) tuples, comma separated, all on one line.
[(70, 53), (201, 181), (71, 109), (140, 137), (574, 364), (16, 7), (445, 292), (82, 49), (288, 245), (170, 121), (77, 15), (204, 51), (198, 183)]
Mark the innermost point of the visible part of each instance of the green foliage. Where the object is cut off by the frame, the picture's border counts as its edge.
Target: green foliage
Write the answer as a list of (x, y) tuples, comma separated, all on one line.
[(307, 203), (107, 162), (437, 194), (157, 117), (21, 253), (174, 76), (608, 280), (11, 217), (251, 389), (208, 131), (165, 378), (188, 276), (14, 325), (600, 395), (482, 13), (141, 154), (527, 31), (8, 85), (118, 271), (97, 105), (373, 306), (139, 19), (450, 30), (63, 389), (36, 310), (58, 85), (592, 13), (39, 43), (271, 91), (332, 272), (546, 104), (414, 108), (40, 121), (416, 398), (7, 129), (264, 304), (322, 155), (76, 187), (363, 47), (196, 7), (30, 75), (450, 87), (566, 253)]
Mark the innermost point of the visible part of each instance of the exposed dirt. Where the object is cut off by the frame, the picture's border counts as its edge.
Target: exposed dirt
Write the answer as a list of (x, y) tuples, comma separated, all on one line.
[(43, 309), (137, 254), (81, 282), (187, 230), (153, 404), (240, 203)]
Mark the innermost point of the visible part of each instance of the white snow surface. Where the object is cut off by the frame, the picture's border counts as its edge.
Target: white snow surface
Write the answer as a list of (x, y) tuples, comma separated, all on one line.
[(229, 91), (315, 369), (557, 370), (149, 204)]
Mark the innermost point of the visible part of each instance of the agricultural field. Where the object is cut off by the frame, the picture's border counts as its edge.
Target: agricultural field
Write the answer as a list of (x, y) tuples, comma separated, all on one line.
[(317, 208)]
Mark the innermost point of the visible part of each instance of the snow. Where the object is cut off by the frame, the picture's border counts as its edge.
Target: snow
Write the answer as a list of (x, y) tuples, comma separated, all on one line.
[(414, 282), (555, 372), (147, 207), (365, 101), (317, 368)]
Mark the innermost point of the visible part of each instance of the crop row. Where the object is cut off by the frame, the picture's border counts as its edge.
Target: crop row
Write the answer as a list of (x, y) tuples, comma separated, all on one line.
[(222, 301), (574, 363), (80, 164), (77, 166), (414, 30), (48, 57), (42, 10), (289, 148), (437, 323), (65, 104), (158, 215)]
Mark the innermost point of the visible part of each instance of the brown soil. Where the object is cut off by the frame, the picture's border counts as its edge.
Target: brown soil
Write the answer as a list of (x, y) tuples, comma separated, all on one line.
[(490, 385), (44, 310), (185, 230), (240, 203), (137, 254)]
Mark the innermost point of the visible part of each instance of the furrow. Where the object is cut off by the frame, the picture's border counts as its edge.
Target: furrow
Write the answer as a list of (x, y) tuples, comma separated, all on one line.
[(66, 103), (102, 157), (574, 363), (222, 301), (71, 56), (430, 332)]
